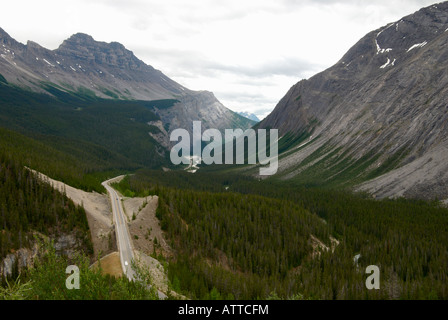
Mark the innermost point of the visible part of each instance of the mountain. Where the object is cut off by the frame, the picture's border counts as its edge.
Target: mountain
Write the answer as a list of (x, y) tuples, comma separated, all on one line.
[(250, 116), (86, 67), (378, 118)]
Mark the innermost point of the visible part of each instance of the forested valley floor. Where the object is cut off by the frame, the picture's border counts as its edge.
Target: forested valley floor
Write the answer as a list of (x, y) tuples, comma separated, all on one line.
[(237, 237)]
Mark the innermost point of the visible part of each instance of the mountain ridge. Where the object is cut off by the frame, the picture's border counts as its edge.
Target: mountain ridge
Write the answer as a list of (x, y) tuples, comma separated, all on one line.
[(82, 65), (52, 65), (379, 109)]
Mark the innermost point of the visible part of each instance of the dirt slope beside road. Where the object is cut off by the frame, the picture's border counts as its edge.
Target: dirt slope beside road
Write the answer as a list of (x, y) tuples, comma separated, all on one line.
[(145, 230), (98, 213)]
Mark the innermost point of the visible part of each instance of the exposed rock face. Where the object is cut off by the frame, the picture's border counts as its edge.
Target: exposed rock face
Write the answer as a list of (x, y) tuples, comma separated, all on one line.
[(201, 105), (21, 259), (107, 70), (65, 244), (384, 104)]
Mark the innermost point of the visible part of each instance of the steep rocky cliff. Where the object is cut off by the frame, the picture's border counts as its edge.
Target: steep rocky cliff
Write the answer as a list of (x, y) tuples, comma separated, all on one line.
[(379, 114)]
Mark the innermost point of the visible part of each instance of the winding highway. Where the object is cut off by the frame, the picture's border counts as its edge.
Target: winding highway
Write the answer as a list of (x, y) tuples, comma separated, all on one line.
[(123, 237), (121, 229)]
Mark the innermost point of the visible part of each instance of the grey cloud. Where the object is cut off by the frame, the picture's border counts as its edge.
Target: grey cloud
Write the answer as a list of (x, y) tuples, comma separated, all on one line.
[(389, 3), (244, 96), (291, 67), (189, 63)]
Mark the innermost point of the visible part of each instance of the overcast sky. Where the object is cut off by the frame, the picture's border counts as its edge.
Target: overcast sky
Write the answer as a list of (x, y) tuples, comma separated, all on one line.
[(248, 52)]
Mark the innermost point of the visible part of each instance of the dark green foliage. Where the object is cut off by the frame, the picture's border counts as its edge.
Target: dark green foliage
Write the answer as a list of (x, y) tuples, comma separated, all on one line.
[(2, 79), (82, 91), (92, 134), (154, 129), (28, 205), (84, 173), (109, 93), (289, 141), (234, 236), (390, 163), (47, 281), (331, 167), (241, 241), (159, 104), (259, 236)]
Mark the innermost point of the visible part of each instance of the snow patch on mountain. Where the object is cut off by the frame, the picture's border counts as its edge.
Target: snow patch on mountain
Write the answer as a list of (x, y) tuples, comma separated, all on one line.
[(418, 45)]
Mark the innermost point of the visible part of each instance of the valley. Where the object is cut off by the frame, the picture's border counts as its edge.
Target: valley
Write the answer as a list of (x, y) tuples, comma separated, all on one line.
[(90, 176)]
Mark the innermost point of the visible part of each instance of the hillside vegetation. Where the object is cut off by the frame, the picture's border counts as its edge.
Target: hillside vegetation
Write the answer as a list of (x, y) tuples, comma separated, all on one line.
[(29, 206), (75, 138), (47, 281), (250, 239)]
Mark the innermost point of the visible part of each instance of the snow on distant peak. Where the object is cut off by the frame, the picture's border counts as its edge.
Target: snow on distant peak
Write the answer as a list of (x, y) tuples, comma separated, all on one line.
[(418, 45), (390, 25), (386, 64), (249, 115), (378, 48), (52, 65)]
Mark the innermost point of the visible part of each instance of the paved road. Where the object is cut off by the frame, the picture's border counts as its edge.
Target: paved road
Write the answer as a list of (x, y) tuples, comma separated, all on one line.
[(123, 237), (121, 229)]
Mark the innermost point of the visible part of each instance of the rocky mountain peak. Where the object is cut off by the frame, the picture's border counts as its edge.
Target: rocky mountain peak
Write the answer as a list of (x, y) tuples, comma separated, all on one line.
[(390, 45), (382, 108), (85, 67), (82, 46), (3, 34), (34, 45), (6, 39), (81, 38)]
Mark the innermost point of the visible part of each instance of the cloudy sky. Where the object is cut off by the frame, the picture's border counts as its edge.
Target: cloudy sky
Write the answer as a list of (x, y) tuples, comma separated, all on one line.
[(248, 52)]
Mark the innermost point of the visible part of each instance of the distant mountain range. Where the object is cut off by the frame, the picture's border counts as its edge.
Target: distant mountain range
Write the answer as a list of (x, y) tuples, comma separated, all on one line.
[(376, 121), (83, 66), (249, 116), (379, 115), (90, 107)]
